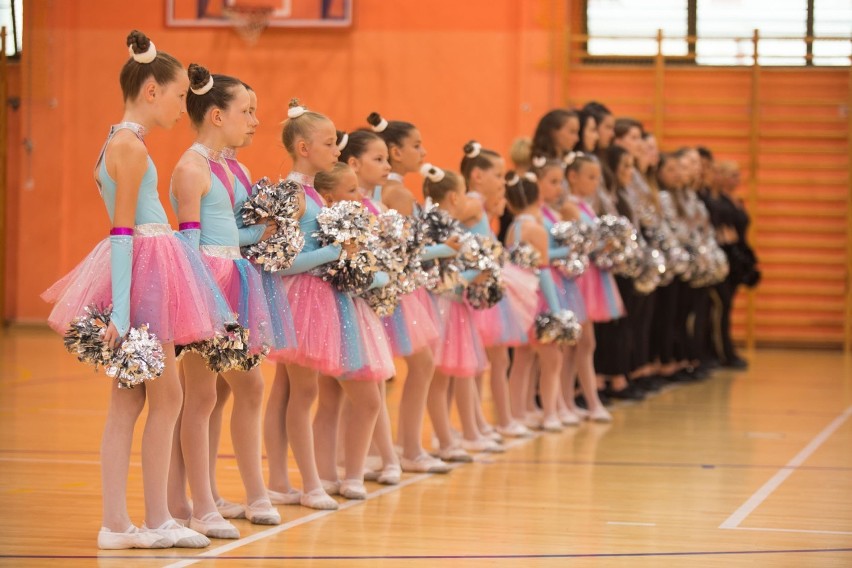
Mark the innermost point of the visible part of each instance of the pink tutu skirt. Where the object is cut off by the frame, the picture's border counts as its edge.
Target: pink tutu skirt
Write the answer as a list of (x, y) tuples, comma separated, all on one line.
[(284, 335), (508, 322), (600, 293), (336, 334), (459, 351), (240, 282), (171, 289), (412, 326)]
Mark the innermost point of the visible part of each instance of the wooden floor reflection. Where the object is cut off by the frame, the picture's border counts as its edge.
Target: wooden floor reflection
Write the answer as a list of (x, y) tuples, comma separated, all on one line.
[(745, 469)]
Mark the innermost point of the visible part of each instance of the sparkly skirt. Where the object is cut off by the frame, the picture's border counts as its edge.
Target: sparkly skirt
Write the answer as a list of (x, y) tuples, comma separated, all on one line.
[(171, 289), (336, 334), (242, 286), (412, 326), (508, 322), (600, 293), (459, 351)]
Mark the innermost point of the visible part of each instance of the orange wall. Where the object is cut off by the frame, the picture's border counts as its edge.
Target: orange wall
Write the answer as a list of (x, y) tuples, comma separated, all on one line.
[(477, 68)]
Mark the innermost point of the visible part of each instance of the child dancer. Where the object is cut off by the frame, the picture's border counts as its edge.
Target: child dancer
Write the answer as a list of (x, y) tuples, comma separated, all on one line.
[(459, 353), (598, 289), (340, 184), (507, 323), (203, 190), (323, 319), (276, 296), (367, 154), (150, 277), (556, 134), (411, 328)]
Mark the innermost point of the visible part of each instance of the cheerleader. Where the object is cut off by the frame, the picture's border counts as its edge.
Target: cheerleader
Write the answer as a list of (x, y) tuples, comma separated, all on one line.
[(334, 335), (149, 277), (203, 196), (335, 185), (459, 353), (507, 323), (412, 327), (529, 227), (367, 154)]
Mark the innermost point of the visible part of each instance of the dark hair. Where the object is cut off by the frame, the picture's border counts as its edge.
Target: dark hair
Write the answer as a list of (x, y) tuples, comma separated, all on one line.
[(219, 96), (327, 180), (705, 153), (438, 190), (543, 138), (394, 133), (521, 192), (598, 110), (299, 127), (623, 126), (164, 68), (584, 118), (614, 155), (357, 144), (247, 86), (484, 159)]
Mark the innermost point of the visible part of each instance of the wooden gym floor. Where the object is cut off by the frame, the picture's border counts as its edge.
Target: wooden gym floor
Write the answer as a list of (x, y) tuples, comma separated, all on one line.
[(746, 469)]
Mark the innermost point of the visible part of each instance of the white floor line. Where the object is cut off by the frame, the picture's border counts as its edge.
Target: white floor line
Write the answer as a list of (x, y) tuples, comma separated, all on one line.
[(766, 490), (219, 550), (629, 524), (791, 530)]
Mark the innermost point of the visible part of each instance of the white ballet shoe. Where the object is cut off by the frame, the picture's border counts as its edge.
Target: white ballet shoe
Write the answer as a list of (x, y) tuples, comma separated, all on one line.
[(212, 525), (454, 454), (568, 418), (318, 499), (552, 424), (600, 414), (372, 468), (331, 487), (532, 421), (261, 512), (291, 497), (353, 489), (390, 475), (133, 537), (482, 445), (230, 510), (581, 412), (179, 536), (424, 463), (515, 430), (492, 434)]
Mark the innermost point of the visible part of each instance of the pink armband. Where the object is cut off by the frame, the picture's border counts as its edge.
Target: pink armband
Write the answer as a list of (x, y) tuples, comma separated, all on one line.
[(189, 226), (121, 231)]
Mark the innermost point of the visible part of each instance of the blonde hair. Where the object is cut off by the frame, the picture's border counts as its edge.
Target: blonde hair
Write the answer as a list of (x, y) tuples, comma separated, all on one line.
[(300, 126), (521, 153), (328, 180)]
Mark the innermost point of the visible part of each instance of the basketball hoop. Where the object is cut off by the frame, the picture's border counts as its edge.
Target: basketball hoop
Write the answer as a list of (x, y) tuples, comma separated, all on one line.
[(248, 21)]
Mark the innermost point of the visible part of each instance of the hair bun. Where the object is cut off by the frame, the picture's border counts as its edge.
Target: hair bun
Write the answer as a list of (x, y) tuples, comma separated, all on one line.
[(377, 123), (432, 173), (295, 109), (342, 140), (570, 157), (472, 149), (200, 79), (512, 178), (539, 161), (140, 48), (531, 177)]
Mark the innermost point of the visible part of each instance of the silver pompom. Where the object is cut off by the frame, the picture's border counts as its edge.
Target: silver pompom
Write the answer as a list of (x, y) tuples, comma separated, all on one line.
[(617, 245), (350, 223), (579, 237), (524, 255), (228, 350), (392, 254), (441, 275), (280, 202), (486, 255), (558, 327), (138, 358)]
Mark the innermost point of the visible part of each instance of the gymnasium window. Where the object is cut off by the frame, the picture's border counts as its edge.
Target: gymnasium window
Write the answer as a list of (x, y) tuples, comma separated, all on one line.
[(723, 30), (11, 16)]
